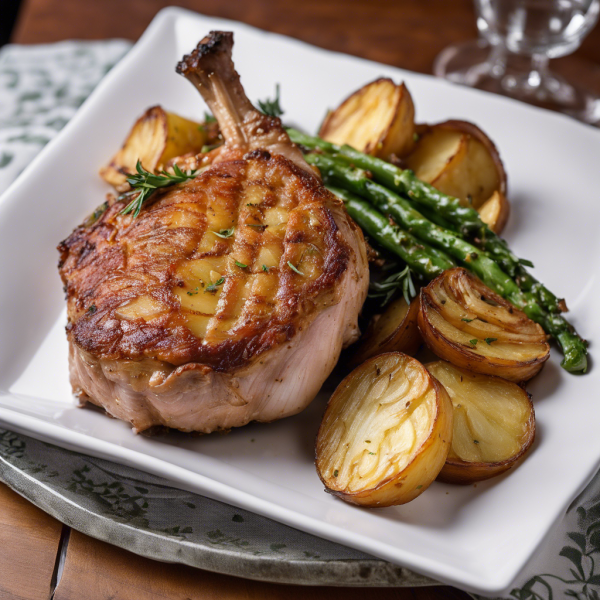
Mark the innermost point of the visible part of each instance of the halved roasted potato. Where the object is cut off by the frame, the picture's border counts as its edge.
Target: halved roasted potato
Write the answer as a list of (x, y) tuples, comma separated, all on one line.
[(494, 211), (156, 137), (494, 424), (378, 119), (386, 432), (395, 330), (466, 323), (458, 158)]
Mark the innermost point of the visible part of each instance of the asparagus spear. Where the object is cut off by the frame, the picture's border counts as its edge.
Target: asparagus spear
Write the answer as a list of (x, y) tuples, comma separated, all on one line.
[(442, 209), (426, 261), (407, 217)]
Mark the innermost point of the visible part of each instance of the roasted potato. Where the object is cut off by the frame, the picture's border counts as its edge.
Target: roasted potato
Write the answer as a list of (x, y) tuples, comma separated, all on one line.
[(494, 424), (386, 432), (464, 322), (156, 137), (458, 159), (494, 212), (395, 330), (378, 119)]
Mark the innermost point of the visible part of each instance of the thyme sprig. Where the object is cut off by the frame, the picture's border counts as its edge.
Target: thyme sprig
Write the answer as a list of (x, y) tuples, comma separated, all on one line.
[(271, 108), (386, 288), (144, 184)]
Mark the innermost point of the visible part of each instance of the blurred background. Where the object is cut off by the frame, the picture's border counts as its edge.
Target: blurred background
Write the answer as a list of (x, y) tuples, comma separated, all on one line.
[(403, 33)]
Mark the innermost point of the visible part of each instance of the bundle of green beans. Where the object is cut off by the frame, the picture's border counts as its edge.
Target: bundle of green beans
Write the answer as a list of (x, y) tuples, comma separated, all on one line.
[(374, 190)]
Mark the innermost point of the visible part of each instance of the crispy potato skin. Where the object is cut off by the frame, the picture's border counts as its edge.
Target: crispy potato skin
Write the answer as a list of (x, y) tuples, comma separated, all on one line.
[(495, 211), (419, 473), (157, 137), (458, 158), (378, 119), (405, 337), (464, 472), (469, 358)]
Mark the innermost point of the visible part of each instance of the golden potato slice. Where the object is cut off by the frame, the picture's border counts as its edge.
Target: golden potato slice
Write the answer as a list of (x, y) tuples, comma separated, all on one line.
[(156, 137), (494, 424), (378, 119), (460, 160), (385, 434), (494, 212), (466, 323), (395, 330)]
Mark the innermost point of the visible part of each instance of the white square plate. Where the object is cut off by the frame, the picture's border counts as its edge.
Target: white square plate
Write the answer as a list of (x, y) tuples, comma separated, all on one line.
[(475, 537)]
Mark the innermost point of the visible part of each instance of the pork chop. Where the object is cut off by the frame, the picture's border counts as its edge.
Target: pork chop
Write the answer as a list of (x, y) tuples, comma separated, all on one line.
[(229, 298)]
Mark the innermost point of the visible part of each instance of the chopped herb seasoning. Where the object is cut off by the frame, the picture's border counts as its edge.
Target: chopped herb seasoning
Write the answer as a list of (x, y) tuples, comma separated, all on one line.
[(293, 268), (208, 118), (473, 342), (415, 137), (225, 233), (213, 286), (256, 225), (467, 320), (419, 487), (192, 292), (335, 473), (489, 341), (372, 453), (92, 309), (265, 268), (240, 265)]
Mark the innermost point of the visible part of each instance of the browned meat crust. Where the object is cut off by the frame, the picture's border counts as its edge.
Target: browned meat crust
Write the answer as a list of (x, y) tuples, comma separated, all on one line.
[(110, 264)]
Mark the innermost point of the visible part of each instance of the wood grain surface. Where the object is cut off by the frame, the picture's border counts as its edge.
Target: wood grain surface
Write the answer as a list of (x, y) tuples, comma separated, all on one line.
[(29, 540), (403, 33)]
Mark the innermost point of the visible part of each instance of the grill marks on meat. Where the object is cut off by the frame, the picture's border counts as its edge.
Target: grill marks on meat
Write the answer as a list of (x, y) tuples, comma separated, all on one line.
[(229, 298), (165, 286)]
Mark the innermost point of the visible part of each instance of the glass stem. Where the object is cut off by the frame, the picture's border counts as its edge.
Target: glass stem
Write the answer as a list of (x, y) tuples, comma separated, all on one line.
[(538, 71)]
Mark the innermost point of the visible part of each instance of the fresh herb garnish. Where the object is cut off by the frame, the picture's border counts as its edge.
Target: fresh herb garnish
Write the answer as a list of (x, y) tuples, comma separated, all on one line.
[(92, 309), (265, 268), (208, 118), (467, 320), (271, 108), (213, 286), (293, 268), (257, 225), (387, 287), (419, 487), (192, 292), (473, 342), (373, 453), (489, 341), (335, 473), (225, 233), (240, 265), (144, 184)]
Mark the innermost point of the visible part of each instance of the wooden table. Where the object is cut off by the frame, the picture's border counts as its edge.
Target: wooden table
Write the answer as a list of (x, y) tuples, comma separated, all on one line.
[(404, 33)]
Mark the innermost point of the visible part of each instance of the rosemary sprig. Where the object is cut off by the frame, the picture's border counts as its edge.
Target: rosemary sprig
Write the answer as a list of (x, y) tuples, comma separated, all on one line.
[(225, 233), (271, 108), (144, 184), (387, 287)]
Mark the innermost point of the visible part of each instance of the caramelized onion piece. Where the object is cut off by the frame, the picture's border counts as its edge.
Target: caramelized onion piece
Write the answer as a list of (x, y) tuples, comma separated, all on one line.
[(466, 323), (494, 424), (386, 432), (396, 330)]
